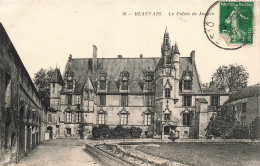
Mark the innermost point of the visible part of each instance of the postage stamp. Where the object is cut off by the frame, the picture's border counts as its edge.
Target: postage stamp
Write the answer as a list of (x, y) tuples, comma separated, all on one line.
[(236, 22), (232, 25)]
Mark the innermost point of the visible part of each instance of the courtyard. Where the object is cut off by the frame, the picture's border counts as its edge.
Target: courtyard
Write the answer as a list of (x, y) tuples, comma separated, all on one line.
[(58, 152), (204, 154)]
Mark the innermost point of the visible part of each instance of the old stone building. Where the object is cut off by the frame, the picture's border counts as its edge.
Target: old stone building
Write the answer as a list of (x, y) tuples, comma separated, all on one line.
[(22, 112), (246, 103), (158, 94)]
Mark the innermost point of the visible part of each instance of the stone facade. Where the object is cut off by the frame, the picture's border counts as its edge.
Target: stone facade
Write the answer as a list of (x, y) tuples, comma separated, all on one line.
[(22, 114), (159, 94), (246, 103)]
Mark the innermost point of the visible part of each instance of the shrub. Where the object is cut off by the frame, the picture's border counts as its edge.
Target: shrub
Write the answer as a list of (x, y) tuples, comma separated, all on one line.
[(95, 132), (103, 131), (240, 132), (135, 132), (118, 131)]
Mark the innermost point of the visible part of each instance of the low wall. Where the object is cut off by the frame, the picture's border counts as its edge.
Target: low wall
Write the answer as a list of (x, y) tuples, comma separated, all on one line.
[(104, 158)]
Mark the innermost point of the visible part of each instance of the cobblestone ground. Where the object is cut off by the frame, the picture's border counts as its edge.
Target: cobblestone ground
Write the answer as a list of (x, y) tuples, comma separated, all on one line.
[(59, 152)]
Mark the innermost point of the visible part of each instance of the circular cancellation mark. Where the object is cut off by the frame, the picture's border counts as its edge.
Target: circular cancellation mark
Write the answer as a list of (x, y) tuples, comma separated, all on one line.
[(230, 27)]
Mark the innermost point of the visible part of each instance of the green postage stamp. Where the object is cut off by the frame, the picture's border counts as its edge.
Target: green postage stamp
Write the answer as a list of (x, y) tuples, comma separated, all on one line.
[(236, 21)]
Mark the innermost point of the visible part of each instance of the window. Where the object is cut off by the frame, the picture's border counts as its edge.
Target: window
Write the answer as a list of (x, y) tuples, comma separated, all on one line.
[(167, 116), (78, 117), (124, 100), (187, 101), (102, 85), (102, 99), (68, 117), (101, 118), (187, 85), (168, 60), (78, 99), (69, 99), (214, 101), (186, 119), (124, 119), (49, 118), (147, 119), (53, 85), (148, 85), (149, 100), (86, 95), (70, 84), (244, 107), (167, 71), (167, 92), (124, 85), (243, 121)]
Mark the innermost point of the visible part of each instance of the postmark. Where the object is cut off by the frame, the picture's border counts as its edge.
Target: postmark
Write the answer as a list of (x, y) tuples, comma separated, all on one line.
[(231, 27)]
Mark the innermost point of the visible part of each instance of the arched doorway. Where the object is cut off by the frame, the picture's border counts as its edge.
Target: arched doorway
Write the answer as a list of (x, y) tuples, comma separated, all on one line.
[(50, 129)]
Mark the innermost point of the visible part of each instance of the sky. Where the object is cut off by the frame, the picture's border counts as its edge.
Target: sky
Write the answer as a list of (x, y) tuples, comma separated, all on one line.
[(45, 33)]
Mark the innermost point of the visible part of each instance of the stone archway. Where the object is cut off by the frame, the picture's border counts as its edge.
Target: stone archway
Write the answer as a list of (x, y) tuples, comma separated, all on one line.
[(50, 129)]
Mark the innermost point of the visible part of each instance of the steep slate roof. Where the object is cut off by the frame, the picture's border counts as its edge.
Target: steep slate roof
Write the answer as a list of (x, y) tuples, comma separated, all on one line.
[(249, 91), (114, 66), (56, 77)]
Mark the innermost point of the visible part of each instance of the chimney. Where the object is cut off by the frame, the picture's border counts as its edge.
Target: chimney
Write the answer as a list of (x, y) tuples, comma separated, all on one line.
[(119, 56), (192, 57), (141, 55), (94, 65)]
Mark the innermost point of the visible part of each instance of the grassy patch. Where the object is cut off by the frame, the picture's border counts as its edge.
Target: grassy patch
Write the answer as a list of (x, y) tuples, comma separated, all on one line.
[(206, 154)]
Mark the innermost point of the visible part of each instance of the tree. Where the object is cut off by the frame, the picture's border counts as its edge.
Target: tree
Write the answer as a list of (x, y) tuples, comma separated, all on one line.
[(42, 82), (231, 78), (222, 122)]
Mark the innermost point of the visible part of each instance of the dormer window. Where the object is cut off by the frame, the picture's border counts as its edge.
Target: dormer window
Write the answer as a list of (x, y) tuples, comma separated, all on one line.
[(69, 76), (187, 84), (70, 84), (102, 85), (102, 80), (124, 85), (124, 76), (148, 85), (187, 80)]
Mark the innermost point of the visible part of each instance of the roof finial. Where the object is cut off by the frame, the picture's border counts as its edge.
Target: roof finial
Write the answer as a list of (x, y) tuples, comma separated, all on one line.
[(166, 30), (56, 65)]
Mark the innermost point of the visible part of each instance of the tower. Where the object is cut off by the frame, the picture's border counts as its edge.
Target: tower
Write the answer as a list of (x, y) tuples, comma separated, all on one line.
[(56, 84), (176, 66), (165, 74)]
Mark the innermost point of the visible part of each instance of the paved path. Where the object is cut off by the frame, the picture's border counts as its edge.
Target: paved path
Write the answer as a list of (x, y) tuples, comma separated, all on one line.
[(59, 152)]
